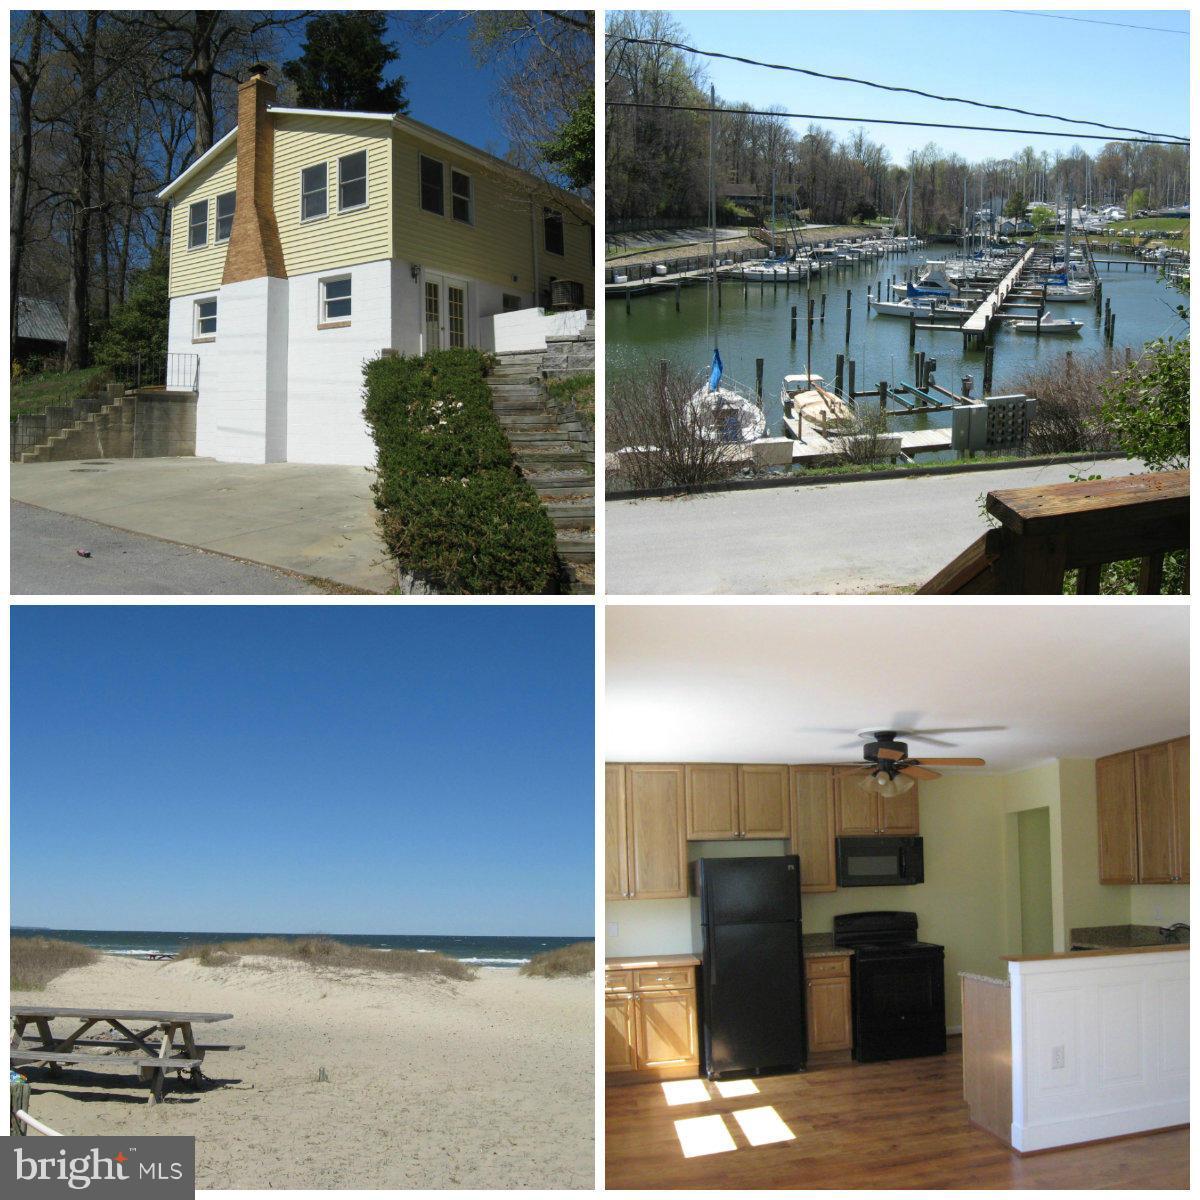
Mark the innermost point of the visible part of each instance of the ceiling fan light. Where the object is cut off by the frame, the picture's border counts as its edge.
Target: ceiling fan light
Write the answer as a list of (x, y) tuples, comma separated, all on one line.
[(903, 784)]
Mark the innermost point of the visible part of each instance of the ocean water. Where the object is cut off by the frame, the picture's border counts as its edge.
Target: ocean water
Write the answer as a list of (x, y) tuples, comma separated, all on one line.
[(476, 949)]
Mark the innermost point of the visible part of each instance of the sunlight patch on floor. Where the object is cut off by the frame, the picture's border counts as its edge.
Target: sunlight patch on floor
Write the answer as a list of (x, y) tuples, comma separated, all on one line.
[(762, 1126), (703, 1135), (731, 1088), (685, 1091)]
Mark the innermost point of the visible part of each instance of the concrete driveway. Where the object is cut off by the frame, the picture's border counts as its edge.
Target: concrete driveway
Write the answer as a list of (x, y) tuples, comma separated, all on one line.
[(882, 536), (314, 520)]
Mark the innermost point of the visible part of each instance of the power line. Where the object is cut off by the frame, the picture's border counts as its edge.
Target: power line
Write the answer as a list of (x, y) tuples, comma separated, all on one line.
[(762, 112), (1021, 12), (887, 87)]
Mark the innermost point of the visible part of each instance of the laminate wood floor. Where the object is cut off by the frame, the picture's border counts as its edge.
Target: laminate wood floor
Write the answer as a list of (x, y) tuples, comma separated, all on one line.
[(871, 1125)]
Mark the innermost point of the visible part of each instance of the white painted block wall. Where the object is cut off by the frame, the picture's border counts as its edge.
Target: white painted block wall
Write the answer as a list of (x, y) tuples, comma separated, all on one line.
[(325, 381), (1100, 1047)]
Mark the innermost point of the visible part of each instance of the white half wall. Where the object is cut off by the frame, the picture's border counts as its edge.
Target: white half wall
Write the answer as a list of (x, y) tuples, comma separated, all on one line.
[(1100, 1047), (325, 381), (528, 329)]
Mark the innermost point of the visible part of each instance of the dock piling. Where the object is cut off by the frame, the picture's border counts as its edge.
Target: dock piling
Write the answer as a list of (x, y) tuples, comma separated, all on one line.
[(811, 301), (883, 394), (822, 308), (758, 379), (989, 353), (628, 292), (794, 309), (838, 373), (849, 300), (850, 380)]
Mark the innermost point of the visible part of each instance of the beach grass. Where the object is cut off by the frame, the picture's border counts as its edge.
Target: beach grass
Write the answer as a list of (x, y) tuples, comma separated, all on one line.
[(577, 959), (34, 962), (328, 952)]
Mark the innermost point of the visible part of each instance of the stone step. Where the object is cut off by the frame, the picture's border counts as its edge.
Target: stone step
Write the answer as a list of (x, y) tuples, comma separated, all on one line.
[(524, 418), (556, 482), (574, 548)]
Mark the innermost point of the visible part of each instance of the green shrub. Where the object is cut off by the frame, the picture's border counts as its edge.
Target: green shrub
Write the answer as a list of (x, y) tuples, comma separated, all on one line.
[(453, 509)]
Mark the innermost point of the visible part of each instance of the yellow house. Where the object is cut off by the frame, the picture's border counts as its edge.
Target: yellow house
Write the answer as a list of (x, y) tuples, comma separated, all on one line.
[(304, 243)]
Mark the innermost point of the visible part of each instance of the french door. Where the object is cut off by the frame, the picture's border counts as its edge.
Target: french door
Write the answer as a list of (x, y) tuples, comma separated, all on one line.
[(446, 319)]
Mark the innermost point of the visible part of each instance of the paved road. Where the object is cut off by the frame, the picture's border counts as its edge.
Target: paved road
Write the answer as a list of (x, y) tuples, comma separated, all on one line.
[(44, 563), (882, 536), (314, 520)]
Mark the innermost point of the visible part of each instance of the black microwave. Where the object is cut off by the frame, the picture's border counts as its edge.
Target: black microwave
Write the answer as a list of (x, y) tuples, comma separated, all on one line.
[(879, 861)]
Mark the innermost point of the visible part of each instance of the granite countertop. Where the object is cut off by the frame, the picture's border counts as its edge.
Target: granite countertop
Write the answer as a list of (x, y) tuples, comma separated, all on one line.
[(1125, 937), (649, 962), (820, 945), (984, 978)]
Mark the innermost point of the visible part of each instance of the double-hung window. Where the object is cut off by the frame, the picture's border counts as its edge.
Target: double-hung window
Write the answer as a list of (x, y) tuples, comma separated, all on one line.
[(462, 202), (226, 206), (198, 225), (553, 224), (335, 299), (352, 181), (204, 321), (314, 201), (433, 186)]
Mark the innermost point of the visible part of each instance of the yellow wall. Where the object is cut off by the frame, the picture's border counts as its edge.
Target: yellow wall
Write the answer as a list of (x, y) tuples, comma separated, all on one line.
[(199, 270), (1037, 787), (498, 247), (1159, 904), (1033, 867), (340, 239)]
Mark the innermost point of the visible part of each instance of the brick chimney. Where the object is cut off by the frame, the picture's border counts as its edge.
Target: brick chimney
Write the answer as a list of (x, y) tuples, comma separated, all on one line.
[(254, 248)]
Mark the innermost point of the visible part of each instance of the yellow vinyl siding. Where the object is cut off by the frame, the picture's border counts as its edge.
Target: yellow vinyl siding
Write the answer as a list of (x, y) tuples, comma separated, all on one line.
[(576, 261), (201, 270), (338, 239), (498, 245)]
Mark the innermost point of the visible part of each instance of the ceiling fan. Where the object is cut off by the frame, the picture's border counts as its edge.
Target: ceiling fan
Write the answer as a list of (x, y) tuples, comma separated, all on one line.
[(889, 770)]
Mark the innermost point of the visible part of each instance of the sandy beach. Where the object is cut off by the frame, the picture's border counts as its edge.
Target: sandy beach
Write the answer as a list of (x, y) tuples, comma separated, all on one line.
[(432, 1084)]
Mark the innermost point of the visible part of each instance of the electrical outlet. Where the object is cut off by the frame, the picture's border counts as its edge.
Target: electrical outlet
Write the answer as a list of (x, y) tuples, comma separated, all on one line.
[(613, 929), (1058, 1058)]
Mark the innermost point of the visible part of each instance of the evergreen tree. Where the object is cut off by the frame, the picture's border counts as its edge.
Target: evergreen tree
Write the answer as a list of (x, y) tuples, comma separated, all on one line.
[(139, 326), (342, 63)]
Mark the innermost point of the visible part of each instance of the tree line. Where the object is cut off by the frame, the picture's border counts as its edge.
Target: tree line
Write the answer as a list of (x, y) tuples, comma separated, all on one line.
[(109, 106), (656, 161)]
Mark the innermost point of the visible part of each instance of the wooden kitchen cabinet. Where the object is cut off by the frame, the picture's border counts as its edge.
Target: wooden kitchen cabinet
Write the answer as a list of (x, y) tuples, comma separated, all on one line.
[(862, 814), (1142, 815), (827, 995), (727, 801), (813, 828), (666, 1030), (711, 794), (656, 851), (1116, 814), (616, 834), (763, 801), (620, 1037), (651, 1024)]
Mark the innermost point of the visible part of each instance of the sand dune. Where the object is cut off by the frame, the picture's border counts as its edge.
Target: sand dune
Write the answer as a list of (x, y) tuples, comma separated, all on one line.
[(487, 1084)]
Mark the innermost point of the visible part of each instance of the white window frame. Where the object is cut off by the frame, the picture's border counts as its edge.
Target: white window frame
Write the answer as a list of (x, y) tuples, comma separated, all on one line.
[(470, 218), (190, 225), (323, 317), (198, 335), (421, 157), (547, 212), (365, 181), (217, 239), (321, 216)]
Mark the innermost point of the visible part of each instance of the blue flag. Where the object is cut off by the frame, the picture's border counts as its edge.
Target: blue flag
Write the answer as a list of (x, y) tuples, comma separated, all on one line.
[(715, 378)]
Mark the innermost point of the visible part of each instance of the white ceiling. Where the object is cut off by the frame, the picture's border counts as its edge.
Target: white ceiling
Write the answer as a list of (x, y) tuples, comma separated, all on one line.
[(772, 683)]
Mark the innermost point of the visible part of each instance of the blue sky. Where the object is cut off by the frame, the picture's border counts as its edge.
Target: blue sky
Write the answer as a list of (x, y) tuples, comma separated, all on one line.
[(445, 86), (336, 769), (1100, 72)]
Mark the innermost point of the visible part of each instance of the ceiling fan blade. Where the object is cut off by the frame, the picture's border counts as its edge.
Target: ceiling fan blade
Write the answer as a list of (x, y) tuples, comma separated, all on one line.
[(890, 755), (951, 762), (920, 772)]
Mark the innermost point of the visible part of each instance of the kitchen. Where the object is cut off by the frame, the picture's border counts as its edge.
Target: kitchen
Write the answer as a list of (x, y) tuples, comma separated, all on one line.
[(884, 1022)]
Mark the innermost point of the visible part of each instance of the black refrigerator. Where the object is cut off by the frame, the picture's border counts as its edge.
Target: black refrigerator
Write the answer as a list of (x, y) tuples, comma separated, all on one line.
[(752, 975)]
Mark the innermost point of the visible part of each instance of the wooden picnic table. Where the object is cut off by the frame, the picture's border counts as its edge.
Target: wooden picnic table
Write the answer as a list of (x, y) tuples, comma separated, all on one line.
[(166, 1043)]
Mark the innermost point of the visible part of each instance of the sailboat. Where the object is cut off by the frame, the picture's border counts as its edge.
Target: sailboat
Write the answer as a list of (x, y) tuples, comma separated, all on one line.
[(721, 409)]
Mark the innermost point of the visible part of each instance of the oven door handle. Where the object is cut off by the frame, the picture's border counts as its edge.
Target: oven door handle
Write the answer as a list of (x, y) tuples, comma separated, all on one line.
[(903, 866)]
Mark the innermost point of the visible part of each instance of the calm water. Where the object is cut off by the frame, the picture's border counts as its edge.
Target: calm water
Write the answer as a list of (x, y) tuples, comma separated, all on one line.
[(756, 323), (483, 951)]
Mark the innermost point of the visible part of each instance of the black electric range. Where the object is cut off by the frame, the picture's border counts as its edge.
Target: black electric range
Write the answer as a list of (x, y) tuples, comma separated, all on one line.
[(897, 986)]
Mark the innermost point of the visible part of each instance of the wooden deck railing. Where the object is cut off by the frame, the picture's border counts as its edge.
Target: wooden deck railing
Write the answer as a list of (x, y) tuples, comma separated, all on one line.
[(1044, 532)]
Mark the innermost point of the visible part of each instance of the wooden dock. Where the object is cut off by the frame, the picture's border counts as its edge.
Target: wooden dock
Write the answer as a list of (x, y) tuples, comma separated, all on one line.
[(977, 325)]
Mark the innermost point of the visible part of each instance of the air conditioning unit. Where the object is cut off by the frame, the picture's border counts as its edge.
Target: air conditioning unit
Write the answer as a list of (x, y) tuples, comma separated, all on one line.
[(566, 294)]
